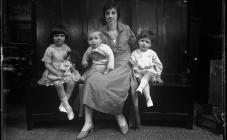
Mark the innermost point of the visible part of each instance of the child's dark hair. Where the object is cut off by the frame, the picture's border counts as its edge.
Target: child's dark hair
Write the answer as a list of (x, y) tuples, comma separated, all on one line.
[(59, 29), (109, 5), (146, 33)]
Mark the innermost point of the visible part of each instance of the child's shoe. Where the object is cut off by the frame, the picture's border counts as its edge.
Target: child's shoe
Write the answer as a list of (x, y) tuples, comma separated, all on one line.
[(159, 80), (70, 114), (61, 108), (139, 91), (149, 103)]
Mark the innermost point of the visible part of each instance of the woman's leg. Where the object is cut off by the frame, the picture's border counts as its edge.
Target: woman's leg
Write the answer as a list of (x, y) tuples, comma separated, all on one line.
[(121, 120), (122, 123), (88, 124)]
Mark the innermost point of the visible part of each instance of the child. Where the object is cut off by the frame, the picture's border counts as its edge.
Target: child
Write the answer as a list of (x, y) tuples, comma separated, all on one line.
[(59, 69), (101, 55), (146, 65)]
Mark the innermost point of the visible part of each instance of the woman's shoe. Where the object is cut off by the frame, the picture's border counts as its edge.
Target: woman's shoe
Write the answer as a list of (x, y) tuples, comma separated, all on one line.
[(124, 129), (84, 134)]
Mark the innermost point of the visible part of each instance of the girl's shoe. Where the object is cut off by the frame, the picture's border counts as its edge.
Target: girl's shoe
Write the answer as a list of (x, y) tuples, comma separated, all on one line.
[(149, 103), (84, 134), (70, 114), (61, 108)]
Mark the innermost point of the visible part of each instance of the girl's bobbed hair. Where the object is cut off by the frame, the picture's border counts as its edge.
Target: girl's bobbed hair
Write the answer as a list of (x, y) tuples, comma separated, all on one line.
[(59, 29), (146, 34), (109, 5)]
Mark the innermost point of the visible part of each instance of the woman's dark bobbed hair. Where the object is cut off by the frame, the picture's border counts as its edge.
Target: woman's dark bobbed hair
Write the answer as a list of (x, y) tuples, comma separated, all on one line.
[(109, 5), (59, 29)]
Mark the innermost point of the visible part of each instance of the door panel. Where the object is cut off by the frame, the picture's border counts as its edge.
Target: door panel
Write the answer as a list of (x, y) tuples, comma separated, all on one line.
[(52, 12)]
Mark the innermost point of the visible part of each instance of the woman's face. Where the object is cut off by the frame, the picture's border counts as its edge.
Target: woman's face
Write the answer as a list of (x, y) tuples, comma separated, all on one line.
[(111, 15), (59, 39), (144, 44)]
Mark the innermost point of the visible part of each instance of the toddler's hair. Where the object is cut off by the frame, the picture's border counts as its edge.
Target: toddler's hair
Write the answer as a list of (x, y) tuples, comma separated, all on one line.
[(59, 29), (146, 34), (101, 35)]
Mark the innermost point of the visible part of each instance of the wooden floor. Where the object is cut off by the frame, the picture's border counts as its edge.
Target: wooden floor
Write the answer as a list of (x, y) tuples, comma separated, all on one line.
[(106, 130)]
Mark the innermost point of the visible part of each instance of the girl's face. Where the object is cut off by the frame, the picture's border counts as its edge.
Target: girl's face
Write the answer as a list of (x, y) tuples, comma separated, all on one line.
[(144, 44), (59, 39), (111, 15), (94, 39)]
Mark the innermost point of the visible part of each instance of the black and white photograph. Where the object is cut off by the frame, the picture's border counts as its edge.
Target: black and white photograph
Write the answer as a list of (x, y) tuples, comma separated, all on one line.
[(113, 70)]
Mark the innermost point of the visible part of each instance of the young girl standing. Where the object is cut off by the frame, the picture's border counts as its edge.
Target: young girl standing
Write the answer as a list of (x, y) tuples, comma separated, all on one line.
[(59, 69), (146, 65)]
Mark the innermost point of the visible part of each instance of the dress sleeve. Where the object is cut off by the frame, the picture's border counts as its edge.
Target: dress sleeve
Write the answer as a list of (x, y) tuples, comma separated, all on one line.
[(48, 55), (133, 61), (132, 39), (158, 64), (110, 56)]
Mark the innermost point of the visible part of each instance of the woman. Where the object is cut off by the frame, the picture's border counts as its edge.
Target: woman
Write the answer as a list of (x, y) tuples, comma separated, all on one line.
[(107, 93)]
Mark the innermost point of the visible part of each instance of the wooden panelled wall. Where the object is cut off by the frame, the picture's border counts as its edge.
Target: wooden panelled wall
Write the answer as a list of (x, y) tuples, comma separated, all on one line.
[(166, 18)]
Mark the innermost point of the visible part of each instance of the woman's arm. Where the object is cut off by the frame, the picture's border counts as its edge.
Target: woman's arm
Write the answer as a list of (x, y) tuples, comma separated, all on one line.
[(132, 39)]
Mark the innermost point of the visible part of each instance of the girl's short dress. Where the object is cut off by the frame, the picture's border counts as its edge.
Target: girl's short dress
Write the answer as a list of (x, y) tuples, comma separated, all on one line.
[(56, 56)]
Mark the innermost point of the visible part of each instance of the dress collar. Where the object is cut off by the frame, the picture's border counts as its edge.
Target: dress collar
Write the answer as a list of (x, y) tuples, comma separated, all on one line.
[(120, 27)]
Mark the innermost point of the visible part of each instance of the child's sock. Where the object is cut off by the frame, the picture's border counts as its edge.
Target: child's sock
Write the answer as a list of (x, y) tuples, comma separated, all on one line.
[(61, 107), (143, 83), (68, 108), (149, 103)]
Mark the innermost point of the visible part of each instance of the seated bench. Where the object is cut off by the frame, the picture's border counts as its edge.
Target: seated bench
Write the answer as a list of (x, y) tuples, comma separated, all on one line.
[(173, 102)]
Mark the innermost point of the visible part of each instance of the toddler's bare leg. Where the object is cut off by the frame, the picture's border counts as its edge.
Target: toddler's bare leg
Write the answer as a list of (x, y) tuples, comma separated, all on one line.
[(144, 81), (146, 92), (88, 118)]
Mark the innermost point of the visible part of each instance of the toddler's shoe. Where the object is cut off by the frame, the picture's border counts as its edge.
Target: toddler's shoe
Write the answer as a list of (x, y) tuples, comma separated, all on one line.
[(138, 91), (61, 108), (159, 80), (149, 103)]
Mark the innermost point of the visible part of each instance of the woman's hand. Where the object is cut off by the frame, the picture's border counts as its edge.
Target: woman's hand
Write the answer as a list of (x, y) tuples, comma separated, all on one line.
[(84, 64)]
